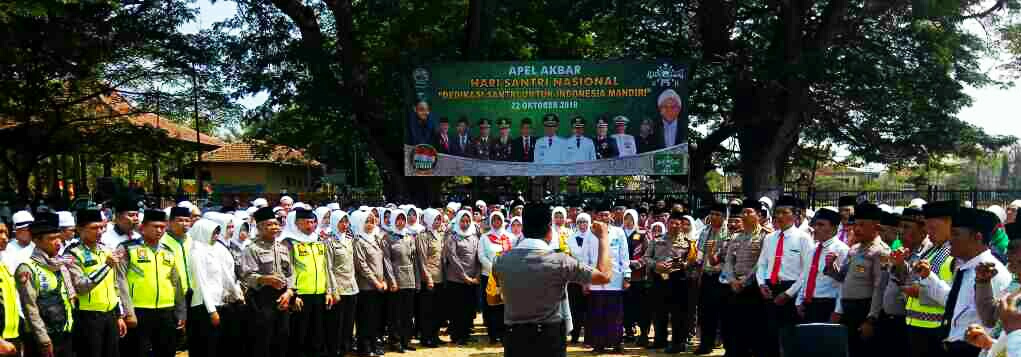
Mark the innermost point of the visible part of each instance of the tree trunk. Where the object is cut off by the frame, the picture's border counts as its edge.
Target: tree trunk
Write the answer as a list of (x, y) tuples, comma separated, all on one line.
[(83, 175), (760, 167)]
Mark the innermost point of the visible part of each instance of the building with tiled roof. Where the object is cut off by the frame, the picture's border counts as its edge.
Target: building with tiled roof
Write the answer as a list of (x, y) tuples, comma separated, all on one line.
[(254, 167)]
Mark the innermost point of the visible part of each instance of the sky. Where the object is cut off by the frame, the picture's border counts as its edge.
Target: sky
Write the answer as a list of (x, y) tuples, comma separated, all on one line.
[(993, 109)]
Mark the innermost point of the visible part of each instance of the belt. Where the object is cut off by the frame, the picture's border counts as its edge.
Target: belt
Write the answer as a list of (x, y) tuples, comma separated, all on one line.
[(536, 326), (815, 299)]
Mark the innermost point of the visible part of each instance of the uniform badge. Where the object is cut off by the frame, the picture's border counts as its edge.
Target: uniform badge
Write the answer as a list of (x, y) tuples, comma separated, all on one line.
[(143, 256), (859, 268), (44, 284), (168, 259), (302, 250)]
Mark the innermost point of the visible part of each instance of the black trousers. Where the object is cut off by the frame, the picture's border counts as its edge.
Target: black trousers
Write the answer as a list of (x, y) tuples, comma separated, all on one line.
[(270, 327), (430, 313), (462, 299), (370, 306), (578, 302), (307, 328), (672, 308), (234, 333), (713, 296), (891, 335), (749, 312), (62, 345), (95, 334), (492, 316), (780, 321), (401, 310), (925, 342), (534, 340), (156, 330), (960, 349), (819, 310), (340, 322), (855, 313), (203, 337)]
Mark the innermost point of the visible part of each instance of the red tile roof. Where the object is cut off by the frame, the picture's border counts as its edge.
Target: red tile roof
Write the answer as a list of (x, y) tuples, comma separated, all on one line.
[(252, 153)]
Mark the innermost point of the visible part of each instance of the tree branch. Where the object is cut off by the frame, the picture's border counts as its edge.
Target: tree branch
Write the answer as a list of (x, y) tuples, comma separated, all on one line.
[(832, 20)]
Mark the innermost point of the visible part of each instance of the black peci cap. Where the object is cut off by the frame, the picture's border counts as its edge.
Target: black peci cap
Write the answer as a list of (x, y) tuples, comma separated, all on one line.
[(829, 215), (264, 214), (536, 220), (154, 215), (179, 212), (45, 223), (86, 216), (847, 201), (941, 209)]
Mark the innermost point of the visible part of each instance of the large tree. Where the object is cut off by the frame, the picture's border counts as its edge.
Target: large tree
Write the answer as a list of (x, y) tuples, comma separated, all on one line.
[(882, 78)]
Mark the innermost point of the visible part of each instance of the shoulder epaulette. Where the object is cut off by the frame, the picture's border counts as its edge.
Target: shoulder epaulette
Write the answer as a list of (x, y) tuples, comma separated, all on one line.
[(73, 246), (130, 243)]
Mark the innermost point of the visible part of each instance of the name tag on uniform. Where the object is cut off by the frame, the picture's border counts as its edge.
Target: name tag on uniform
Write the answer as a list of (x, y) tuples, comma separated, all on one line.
[(168, 259), (859, 268), (265, 257), (143, 255), (756, 245), (302, 250)]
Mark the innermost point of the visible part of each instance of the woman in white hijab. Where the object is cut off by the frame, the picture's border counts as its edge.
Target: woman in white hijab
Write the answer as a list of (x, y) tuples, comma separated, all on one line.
[(370, 273), (563, 231), (460, 254), (516, 229), (340, 253), (323, 228), (492, 245), (577, 294), (401, 251), (430, 247), (213, 307), (414, 220)]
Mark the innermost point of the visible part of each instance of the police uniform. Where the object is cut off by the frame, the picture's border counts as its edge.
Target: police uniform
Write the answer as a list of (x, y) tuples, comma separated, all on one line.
[(11, 319), (712, 293), (340, 318), (741, 256), (533, 279), (606, 147), (626, 145), (784, 255), (114, 236), (370, 268), (502, 147), (480, 148), (270, 326), (637, 314), (460, 256), (924, 313), (550, 149), (400, 250), (431, 307), (312, 282), (671, 287), (152, 294), (98, 299), (579, 148), (45, 296)]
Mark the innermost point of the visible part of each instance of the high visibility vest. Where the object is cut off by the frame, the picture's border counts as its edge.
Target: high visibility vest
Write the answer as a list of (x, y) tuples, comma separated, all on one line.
[(103, 297), (149, 275), (182, 251), (310, 271), (11, 308), (52, 299), (929, 316)]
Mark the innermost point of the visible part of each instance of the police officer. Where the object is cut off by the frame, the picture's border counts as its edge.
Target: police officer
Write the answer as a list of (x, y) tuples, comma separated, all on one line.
[(340, 317), (267, 272), (400, 249), (480, 147), (670, 258), (312, 282), (637, 315), (430, 250), (124, 225), (370, 273), (45, 294), (924, 308), (712, 293), (606, 147), (463, 270), (626, 145), (579, 147), (549, 149), (861, 272), (502, 147), (533, 280), (150, 290), (9, 307), (93, 275), (179, 242)]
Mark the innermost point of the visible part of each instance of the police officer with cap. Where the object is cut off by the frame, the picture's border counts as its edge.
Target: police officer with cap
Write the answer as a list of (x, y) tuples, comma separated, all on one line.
[(93, 273), (45, 295), (268, 273), (606, 147), (533, 280), (579, 147), (549, 149)]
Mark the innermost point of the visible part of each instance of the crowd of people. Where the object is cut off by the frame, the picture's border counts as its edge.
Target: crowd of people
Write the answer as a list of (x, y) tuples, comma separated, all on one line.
[(292, 279)]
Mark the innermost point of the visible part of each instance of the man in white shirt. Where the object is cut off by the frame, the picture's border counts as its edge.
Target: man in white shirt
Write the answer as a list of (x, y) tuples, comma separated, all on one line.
[(819, 300), (784, 255), (21, 250), (578, 147), (549, 148), (969, 244), (626, 145), (125, 224)]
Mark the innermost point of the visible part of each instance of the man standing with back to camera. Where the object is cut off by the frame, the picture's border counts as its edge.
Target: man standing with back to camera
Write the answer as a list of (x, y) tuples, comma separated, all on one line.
[(533, 280)]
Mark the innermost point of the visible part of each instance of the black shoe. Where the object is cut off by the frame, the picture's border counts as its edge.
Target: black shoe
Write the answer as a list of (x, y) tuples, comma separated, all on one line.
[(676, 349), (598, 350), (657, 345), (642, 342), (703, 351), (461, 342), (408, 348), (618, 349)]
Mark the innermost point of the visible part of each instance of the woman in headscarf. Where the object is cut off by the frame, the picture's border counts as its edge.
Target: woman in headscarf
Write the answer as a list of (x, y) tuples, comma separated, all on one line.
[(492, 245), (323, 230), (340, 254), (430, 250), (461, 264), (215, 321), (242, 231), (401, 251), (414, 219), (670, 256), (516, 230), (636, 313), (577, 294), (564, 232), (370, 273)]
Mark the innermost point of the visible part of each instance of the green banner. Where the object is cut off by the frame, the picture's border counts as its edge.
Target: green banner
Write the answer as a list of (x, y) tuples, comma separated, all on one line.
[(641, 106)]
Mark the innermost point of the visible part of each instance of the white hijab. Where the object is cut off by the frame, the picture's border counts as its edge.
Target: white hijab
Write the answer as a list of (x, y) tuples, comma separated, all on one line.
[(291, 231), (429, 217), (562, 211), (587, 218), (358, 219), (662, 228), (457, 224), (335, 217), (413, 211), (394, 213), (634, 218), (503, 228)]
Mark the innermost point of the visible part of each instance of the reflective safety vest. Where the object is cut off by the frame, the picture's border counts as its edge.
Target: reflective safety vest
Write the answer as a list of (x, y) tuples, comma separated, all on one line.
[(182, 251), (52, 299), (310, 271), (929, 316), (11, 308), (103, 296), (149, 275)]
